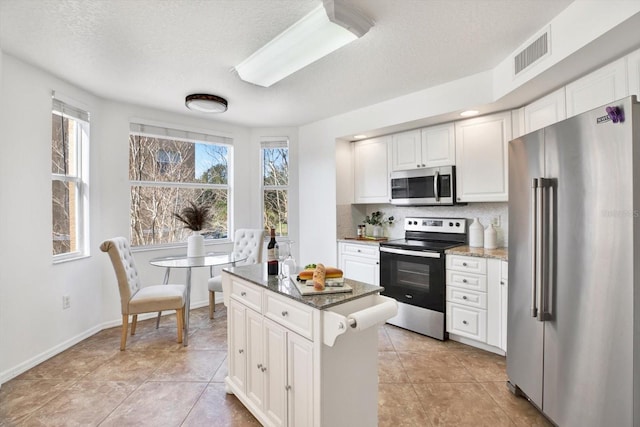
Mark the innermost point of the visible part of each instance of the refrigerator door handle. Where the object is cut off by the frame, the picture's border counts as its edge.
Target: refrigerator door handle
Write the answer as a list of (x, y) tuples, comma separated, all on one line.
[(541, 254), (534, 246)]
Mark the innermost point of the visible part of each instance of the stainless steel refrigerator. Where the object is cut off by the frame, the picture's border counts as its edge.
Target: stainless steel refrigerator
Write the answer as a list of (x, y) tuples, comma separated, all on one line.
[(573, 335)]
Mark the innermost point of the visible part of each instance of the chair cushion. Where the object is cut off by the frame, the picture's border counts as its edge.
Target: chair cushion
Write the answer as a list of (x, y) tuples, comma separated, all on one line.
[(157, 298), (215, 284)]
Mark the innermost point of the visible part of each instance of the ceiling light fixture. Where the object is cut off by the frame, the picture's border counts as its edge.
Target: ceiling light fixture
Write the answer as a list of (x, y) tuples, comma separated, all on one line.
[(469, 113), (326, 29), (206, 103), (359, 136)]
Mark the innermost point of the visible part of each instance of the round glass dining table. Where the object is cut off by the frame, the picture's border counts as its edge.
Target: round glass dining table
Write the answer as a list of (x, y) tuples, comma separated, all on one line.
[(182, 261)]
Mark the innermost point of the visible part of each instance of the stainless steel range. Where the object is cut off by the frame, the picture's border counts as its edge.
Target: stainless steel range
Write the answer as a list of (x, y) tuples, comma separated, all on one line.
[(412, 270)]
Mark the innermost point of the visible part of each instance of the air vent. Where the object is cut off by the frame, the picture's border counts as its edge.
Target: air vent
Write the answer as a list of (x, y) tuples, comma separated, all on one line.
[(531, 53)]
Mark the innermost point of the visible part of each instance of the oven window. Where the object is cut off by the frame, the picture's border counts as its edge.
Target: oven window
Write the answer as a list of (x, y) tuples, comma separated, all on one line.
[(414, 276), (412, 188)]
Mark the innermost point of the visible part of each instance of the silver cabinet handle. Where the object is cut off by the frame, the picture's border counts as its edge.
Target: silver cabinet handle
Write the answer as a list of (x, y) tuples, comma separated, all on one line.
[(264, 368), (418, 165), (464, 264), (287, 387), (464, 280), (259, 365), (464, 322), (243, 294), (241, 351), (359, 250), (285, 313), (464, 297), (502, 282)]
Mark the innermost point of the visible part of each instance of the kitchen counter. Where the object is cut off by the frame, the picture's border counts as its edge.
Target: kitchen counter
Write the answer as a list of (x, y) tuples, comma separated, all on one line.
[(257, 274), (499, 253), (364, 240)]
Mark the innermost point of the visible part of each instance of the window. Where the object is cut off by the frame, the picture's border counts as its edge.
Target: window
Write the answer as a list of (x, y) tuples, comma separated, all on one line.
[(69, 175), (275, 185), (169, 168)]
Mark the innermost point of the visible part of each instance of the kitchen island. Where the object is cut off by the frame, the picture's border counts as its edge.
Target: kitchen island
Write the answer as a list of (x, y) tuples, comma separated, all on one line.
[(303, 360)]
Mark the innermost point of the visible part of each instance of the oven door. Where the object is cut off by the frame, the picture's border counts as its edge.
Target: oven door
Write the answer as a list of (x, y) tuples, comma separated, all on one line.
[(431, 186), (413, 277)]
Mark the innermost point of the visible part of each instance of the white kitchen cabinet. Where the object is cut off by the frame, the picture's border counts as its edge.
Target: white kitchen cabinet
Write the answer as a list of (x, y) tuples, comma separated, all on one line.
[(299, 387), (425, 148), (477, 301), (497, 302), (482, 158), (371, 170), (237, 345), (633, 72), (598, 88), (545, 111), (360, 261)]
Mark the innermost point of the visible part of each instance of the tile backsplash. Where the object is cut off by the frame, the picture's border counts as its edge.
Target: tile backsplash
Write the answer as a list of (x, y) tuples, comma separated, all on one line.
[(349, 216)]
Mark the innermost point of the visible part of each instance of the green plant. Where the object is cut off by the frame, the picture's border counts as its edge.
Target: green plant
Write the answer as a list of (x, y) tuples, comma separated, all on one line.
[(194, 217), (377, 218)]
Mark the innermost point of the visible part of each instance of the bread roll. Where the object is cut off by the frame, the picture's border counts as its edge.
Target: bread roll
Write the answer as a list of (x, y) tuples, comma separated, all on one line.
[(319, 275), (330, 273)]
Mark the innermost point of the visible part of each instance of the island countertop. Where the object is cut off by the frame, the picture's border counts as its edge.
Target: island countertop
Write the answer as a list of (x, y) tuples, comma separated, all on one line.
[(257, 274)]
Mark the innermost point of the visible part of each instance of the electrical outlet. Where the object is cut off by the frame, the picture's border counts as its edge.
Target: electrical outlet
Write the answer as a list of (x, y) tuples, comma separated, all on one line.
[(496, 221), (66, 302)]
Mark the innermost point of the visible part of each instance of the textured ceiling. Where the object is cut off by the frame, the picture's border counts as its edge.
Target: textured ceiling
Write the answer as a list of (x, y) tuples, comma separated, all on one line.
[(155, 52)]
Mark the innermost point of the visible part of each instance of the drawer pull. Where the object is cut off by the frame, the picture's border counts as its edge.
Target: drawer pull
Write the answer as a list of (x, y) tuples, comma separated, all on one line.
[(464, 264), (359, 250), (502, 282), (285, 313), (243, 294), (464, 297), (264, 368), (464, 322), (287, 387), (241, 351), (464, 280), (259, 365)]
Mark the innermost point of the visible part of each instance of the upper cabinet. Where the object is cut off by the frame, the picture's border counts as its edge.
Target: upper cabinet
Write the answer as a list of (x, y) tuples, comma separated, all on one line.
[(633, 71), (481, 158), (371, 170), (604, 85), (545, 111), (429, 147)]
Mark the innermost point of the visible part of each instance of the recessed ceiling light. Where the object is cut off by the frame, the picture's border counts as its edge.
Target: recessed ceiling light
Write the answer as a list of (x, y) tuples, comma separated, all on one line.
[(206, 103), (469, 113), (359, 136)]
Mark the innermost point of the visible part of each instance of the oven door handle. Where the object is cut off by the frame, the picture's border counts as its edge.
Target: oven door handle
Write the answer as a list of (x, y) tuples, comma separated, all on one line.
[(410, 253)]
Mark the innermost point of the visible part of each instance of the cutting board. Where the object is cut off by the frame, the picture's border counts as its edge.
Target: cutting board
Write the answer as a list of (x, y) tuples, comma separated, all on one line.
[(308, 289)]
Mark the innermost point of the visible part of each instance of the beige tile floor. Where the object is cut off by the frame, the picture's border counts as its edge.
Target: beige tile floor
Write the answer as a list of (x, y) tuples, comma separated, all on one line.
[(157, 382)]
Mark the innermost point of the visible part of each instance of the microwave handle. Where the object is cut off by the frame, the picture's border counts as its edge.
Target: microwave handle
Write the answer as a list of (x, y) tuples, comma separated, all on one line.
[(436, 187)]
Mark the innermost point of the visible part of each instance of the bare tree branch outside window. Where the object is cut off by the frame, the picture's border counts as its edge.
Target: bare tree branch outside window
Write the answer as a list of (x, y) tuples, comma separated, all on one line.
[(275, 164)]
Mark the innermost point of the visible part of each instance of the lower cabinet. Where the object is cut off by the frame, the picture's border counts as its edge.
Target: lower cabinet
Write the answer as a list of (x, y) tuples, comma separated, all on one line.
[(268, 363), (477, 301), (360, 261)]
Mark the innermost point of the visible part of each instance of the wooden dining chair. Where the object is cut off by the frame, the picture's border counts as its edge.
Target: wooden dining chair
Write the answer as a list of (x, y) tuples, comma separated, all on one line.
[(136, 299), (246, 242)]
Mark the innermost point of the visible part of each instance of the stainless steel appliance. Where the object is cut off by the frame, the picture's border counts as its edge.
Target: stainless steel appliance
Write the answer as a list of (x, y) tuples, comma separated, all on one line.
[(424, 187), (574, 268), (412, 270)]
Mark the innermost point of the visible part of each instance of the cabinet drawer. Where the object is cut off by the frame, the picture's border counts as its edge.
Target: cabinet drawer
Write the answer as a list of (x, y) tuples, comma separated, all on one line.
[(371, 251), (467, 321), (294, 316), (467, 264), (247, 294), (467, 297), (475, 282)]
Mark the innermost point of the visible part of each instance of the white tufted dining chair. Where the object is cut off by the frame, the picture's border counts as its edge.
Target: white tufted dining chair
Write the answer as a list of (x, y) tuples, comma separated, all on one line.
[(247, 242), (136, 299)]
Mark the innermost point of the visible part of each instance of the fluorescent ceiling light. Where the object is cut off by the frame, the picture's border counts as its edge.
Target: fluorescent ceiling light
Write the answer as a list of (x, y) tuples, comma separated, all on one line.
[(469, 113), (326, 29)]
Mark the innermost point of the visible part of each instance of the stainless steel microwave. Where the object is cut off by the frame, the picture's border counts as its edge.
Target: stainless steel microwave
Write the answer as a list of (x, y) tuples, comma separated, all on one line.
[(424, 187)]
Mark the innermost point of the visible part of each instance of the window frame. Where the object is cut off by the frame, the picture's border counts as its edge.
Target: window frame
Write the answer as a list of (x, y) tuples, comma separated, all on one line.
[(71, 111), (176, 133), (267, 143)]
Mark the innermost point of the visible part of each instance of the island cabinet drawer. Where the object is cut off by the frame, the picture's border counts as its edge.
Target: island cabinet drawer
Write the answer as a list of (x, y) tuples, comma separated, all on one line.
[(467, 321), (467, 264), (290, 314), (250, 296), (475, 282), (467, 297), (361, 250)]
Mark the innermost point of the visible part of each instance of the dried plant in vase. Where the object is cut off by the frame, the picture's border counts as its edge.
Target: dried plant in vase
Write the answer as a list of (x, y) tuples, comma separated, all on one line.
[(195, 218), (377, 220)]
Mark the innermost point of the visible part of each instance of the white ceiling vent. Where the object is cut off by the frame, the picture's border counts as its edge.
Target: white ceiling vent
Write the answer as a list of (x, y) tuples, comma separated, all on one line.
[(536, 50)]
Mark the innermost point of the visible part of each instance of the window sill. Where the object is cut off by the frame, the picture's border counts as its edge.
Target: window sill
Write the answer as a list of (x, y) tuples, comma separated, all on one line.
[(181, 245), (65, 259)]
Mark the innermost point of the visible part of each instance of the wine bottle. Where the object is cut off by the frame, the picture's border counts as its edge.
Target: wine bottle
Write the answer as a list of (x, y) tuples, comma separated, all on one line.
[(272, 256)]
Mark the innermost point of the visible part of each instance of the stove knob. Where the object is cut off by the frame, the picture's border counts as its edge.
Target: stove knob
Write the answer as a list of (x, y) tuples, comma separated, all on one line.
[(457, 224), (415, 222), (450, 224)]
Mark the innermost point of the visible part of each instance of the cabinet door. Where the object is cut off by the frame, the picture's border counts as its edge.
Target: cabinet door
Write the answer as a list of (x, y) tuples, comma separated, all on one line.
[(604, 85), (504, 305), (255, 359), (438, 146), (633, 72), (494, 303), (362, 269), (481, 158), (237, 344), (405, 151), (545, 111), (275, 353), (299, 380), (371, 171)]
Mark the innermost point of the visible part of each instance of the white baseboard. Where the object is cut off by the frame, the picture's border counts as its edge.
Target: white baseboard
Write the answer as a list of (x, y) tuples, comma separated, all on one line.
[(47, 354)]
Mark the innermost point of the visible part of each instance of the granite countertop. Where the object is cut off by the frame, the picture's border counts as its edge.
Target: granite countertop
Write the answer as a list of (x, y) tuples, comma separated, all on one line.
[(257, 274), (499, 253), (364, 240)]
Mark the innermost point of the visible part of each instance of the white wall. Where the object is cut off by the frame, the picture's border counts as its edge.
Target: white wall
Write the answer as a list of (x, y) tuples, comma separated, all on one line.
[(33, 326)]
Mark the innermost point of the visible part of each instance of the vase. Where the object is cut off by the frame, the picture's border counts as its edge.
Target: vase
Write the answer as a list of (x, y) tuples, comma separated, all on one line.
[(377, 231), (195, 245), (490, 237), (476, 234)]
